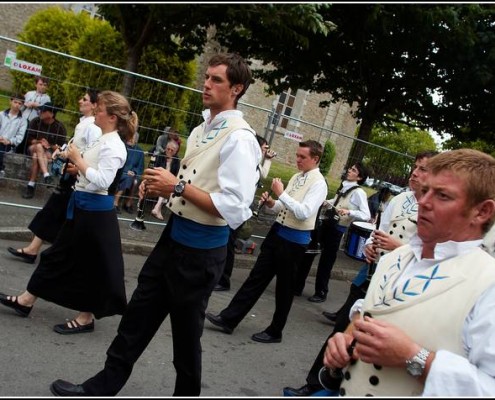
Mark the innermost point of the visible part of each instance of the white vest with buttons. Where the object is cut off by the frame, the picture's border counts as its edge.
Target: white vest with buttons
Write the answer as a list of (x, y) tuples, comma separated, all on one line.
[(430, 307)]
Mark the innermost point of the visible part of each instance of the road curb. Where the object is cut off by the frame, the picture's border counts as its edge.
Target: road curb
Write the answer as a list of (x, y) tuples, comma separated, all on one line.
[(244, 261)]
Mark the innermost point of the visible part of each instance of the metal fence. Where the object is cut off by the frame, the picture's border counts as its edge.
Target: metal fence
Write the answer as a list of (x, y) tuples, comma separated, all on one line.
[(159, 103)]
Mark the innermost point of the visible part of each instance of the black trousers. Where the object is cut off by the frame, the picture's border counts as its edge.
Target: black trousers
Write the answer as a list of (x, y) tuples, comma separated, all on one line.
[(341, 323), (229, 262), (330, 239), (278, 257), (175, 280)]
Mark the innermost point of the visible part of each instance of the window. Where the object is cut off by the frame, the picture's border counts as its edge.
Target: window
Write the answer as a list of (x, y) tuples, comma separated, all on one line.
[(284, 107)]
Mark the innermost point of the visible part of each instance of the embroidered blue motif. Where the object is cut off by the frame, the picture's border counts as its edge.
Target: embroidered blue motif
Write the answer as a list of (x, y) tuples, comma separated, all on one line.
[(214, 132), (414, 286)]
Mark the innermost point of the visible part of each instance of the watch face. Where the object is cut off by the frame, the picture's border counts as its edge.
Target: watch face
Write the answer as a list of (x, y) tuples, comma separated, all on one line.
[(179, 188), (415, 368)]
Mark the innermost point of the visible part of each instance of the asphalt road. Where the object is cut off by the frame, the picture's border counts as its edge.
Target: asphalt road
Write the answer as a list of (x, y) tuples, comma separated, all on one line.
[(33, 355)]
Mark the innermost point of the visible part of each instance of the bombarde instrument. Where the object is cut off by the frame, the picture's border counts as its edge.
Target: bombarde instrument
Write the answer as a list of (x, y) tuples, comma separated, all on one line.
[(138, 223), (261, 204)]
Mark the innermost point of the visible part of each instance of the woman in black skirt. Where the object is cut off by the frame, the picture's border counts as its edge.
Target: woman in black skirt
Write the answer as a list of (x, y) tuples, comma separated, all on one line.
[(84, 269), (49, 220)]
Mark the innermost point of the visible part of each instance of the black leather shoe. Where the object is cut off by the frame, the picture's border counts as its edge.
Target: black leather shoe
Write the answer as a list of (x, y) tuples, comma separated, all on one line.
[(48, 180), (18, 308), (331, 316), (318, 298), (306, 390), (264, 337), (29, 193), (29, 258), (217, 320), (220, 288), (66, 389)]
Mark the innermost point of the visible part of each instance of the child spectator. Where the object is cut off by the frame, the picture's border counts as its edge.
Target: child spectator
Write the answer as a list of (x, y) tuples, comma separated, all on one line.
[(12, 128)]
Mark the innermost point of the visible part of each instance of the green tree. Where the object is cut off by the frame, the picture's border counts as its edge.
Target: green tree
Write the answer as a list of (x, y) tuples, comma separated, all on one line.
[(389, 60), (327, 157), (96, 40), (402, 139), (54, 28), (182, 28)]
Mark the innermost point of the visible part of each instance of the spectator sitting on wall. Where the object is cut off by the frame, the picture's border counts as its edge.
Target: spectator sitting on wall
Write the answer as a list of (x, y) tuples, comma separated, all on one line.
[(44, 135)]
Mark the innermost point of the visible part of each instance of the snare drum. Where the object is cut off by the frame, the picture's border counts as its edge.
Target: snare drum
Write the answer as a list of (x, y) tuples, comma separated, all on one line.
[(357, 234)]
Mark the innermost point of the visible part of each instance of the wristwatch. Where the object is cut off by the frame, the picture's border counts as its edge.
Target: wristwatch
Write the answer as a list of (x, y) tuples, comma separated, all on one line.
[(416, 365), (179, 188)]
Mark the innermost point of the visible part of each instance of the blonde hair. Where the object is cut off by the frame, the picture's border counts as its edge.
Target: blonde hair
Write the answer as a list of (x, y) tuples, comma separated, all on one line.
[(117, 104), (475, 168)]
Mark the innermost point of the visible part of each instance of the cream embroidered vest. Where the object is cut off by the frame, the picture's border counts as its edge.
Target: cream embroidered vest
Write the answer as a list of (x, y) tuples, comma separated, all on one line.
[(297, 188), (403, 218), (200, 164), (430, 307)]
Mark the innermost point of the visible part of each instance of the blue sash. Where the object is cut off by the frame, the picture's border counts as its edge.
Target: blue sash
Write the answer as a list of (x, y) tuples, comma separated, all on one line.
[(89, 202)]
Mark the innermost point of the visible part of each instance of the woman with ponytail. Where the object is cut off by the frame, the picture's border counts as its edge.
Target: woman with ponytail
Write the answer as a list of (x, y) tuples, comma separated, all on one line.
[(84, 269)]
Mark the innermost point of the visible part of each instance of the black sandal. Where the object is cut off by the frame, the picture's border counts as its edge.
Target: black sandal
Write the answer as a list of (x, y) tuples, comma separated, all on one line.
[(13, 302), (29, 258), (73, 326)]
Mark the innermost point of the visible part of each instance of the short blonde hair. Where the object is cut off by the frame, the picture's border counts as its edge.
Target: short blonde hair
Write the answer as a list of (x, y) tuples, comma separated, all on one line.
[(475, 168)]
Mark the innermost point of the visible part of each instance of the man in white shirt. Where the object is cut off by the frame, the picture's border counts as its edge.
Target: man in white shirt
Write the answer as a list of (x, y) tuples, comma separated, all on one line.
[(427, 326), (397, 225), (213, 192), (284, 246)]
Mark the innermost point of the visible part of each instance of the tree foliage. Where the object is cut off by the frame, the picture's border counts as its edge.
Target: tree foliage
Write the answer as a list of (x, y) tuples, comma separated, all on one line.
[(328, 156), (96, 40), (402, 139), (388, 59)]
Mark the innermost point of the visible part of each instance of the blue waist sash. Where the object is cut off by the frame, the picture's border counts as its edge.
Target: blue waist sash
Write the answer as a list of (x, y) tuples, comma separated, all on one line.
[(89, 202)]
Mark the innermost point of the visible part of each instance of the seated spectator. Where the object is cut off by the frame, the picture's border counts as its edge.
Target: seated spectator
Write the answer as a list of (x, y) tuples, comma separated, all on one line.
[(172, 163), (44, 135), (12, 128), (133, 169)]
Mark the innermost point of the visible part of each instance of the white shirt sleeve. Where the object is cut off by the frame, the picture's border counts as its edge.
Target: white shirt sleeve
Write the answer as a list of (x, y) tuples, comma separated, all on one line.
[(237, 180), (91, 133), (360, 200), (474, 374)]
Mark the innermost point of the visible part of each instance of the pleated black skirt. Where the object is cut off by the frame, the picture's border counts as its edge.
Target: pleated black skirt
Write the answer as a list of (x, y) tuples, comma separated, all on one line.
[(84, 268), (47, 222)]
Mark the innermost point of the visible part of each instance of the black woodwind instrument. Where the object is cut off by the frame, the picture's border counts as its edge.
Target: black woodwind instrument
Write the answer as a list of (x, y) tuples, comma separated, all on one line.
[(261, 205), (138, 223), (372, 265)]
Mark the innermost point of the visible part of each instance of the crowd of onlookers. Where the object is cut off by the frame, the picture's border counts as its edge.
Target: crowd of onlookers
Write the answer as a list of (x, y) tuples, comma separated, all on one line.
[(30, 127)]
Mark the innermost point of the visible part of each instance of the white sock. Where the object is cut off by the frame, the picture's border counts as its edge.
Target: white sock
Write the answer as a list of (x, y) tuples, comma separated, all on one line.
[(31, 183), (46, 174)]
